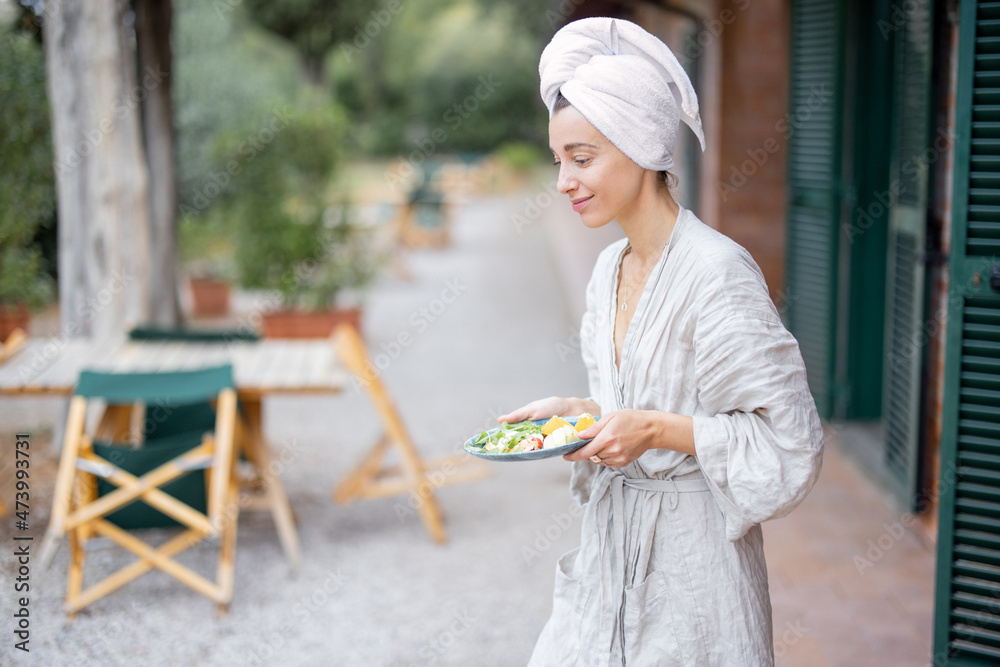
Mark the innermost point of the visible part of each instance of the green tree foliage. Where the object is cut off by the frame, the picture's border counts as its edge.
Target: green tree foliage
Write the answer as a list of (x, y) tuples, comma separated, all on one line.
[(227, 74), (445, 65), (402, 69), (539, 18), (27, 180), (312, 26)]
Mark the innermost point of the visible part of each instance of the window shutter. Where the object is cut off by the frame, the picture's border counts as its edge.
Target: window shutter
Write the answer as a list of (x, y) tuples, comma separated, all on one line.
[(904, 335), (813, 187), (967, 602)]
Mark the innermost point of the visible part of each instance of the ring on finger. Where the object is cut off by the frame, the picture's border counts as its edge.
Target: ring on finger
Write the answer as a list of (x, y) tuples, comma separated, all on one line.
[(597, 459)]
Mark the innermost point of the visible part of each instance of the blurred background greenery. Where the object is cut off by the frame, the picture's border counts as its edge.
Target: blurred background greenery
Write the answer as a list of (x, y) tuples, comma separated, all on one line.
[(279, 108), (27, 179)]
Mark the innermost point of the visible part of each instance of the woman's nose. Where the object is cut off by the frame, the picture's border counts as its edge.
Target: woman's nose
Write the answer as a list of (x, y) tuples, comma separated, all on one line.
[(565, 183)]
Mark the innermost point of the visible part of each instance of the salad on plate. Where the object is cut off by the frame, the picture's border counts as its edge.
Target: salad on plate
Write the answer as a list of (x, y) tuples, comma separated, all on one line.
[(544, 438)]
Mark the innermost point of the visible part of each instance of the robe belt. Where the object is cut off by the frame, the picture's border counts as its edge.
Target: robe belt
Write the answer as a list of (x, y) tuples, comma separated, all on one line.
[(614, 580)]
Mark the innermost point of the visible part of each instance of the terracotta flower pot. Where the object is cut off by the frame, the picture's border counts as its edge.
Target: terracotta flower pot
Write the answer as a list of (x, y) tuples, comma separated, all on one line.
[(211, 297), (307, 324), (12, 317)]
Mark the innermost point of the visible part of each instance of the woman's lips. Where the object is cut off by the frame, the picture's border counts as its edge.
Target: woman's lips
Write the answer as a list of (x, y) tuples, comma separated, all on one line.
[(578, 205)]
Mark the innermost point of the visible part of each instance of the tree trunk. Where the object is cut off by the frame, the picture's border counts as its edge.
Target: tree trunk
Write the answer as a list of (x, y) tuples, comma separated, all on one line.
[(101, 175), (152, 25), (314, 71)]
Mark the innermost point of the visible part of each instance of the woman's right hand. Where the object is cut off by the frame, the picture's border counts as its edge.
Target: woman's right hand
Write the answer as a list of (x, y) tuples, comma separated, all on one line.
[(544, 408)]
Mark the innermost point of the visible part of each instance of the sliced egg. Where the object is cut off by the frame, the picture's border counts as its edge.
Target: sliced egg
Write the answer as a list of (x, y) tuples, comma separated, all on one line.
[(561, 436)]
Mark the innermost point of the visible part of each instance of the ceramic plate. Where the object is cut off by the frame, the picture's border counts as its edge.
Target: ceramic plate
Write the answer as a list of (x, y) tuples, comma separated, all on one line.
[(526, 456)]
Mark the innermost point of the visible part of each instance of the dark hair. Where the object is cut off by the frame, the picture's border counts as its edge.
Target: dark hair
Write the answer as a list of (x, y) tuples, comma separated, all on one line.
[(561, 103), (666, 177)]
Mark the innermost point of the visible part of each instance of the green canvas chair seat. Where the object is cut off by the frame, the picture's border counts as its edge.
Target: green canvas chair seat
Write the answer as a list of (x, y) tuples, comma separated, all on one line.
[(167, 421), (189, 489)]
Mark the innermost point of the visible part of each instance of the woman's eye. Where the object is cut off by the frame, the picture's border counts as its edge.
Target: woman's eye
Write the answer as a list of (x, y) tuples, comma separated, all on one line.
[(581, 160), (556, 163)]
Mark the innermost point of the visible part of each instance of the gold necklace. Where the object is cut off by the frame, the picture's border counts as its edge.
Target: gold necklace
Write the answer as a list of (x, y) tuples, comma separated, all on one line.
[(646, 273)]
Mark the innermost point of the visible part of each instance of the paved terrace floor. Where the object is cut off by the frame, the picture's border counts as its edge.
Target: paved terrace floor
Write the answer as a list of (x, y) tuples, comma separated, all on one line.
[(374, 590)]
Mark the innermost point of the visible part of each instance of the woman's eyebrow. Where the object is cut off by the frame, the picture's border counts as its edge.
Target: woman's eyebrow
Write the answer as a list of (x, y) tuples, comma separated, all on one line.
[(574, 146)]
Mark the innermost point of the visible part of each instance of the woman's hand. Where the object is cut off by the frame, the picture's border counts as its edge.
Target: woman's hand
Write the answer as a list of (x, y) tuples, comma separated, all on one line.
[(623, 436), (544, 408)]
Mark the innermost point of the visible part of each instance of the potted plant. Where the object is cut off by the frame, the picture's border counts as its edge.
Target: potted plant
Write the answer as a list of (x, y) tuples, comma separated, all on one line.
[(24, 286), (209, 295), (324, 288), (207, 249), (290, 239)]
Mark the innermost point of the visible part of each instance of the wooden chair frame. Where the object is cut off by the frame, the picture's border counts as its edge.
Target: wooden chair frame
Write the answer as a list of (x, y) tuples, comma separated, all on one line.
[(79, 514), (17, 338)]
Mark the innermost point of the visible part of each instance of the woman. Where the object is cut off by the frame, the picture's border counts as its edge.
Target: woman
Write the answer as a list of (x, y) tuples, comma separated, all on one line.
[(707, 425)]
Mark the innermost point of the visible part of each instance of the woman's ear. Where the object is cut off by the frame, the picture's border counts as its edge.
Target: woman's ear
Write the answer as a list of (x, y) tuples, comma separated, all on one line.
[(654, 178)]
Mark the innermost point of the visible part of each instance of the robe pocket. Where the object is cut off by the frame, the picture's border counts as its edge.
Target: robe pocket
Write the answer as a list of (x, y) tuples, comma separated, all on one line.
[(568, 623), (650, 634)]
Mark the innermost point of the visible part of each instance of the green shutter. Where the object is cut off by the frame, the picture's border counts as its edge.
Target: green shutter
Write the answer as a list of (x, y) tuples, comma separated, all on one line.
[(813, 187), (904, 330), (870, 58), (967, 604)]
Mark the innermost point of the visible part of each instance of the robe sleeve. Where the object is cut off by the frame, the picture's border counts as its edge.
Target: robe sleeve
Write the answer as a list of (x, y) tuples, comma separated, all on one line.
[(762, 450), (583, 472)]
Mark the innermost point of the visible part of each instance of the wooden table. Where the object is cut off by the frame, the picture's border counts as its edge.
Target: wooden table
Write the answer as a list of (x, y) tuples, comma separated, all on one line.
[(267, 367), (50, 366)]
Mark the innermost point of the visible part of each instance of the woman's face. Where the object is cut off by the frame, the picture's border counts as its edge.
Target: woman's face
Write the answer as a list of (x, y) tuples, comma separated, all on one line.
[(601, 181)]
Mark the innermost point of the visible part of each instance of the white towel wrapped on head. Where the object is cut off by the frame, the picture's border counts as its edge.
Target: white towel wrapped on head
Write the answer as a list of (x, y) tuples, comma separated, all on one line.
[(626, 82)]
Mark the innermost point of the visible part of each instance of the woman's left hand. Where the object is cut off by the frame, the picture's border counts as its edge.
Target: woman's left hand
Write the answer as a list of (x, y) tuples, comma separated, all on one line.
[(618, 438)]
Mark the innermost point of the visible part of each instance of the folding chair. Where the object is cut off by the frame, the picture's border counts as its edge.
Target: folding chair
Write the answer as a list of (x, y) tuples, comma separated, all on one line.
[(249, 434), (157, 483)]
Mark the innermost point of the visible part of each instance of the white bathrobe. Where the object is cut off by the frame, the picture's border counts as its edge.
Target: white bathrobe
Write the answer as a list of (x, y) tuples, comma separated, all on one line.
[(672, 572)]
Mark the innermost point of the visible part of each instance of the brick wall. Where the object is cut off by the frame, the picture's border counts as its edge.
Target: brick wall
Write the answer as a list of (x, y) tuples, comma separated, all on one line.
[(743, 94), (749, 186)]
